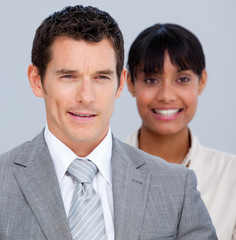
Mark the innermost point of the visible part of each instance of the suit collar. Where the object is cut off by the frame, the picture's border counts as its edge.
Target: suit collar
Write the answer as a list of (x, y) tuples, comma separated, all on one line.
[(130, 190), (35, 174)]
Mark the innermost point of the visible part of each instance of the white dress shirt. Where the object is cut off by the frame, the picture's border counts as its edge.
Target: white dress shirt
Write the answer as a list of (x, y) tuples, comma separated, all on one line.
[(216, 176), (62, 157)]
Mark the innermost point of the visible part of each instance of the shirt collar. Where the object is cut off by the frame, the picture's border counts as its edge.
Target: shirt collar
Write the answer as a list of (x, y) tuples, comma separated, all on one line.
[(101, 156), (63, 156), (189, 157)]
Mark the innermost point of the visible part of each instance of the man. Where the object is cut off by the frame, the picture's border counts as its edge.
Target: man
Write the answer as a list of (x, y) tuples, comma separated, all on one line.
[(77, 68)]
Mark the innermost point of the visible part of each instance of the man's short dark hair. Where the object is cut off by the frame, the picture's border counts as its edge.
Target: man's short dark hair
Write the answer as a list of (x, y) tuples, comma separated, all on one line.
[(79, 23), (148, 50)]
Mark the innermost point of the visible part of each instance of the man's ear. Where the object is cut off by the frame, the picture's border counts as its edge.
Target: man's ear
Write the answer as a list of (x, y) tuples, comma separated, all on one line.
[(122, 82), (130, 85), (35, 80), (202, 82)]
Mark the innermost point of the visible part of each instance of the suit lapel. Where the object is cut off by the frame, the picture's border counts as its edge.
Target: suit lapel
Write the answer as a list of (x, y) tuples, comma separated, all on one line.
[(38, 182), (130, 192)]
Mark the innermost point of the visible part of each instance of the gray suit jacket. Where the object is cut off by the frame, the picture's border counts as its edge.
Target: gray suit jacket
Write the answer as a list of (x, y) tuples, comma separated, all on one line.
[(152, 199)]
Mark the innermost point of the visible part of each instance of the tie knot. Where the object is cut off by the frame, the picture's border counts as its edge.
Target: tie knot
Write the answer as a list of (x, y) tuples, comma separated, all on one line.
[(82, 170)]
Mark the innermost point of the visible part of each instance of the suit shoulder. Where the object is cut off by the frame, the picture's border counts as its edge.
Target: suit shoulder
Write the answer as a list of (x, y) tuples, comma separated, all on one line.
[(22, 149)]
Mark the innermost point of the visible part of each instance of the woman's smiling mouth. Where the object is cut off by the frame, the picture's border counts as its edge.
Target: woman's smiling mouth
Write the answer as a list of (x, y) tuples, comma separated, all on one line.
[(166, 112)]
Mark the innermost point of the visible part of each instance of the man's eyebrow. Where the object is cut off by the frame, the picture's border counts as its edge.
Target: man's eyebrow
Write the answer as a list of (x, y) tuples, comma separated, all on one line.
[(70, 71), (66, 71), (106, 72)]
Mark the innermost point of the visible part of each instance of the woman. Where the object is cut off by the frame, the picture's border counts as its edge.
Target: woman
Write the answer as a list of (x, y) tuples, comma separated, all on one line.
[(167, 73)]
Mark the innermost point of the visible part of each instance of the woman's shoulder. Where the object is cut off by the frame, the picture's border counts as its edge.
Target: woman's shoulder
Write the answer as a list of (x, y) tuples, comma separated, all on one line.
[(133, 139), (211, 156)]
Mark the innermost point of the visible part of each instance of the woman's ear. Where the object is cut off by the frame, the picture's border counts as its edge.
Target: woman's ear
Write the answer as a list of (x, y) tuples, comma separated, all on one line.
[(130, 85), (35, 80), (202, 82)]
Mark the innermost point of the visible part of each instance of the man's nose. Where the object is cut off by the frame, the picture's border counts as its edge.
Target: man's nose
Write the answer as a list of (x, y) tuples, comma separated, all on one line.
[(85, 92)]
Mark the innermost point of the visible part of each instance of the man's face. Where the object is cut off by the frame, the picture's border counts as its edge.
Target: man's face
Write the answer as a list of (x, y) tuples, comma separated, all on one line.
[(79, 89)]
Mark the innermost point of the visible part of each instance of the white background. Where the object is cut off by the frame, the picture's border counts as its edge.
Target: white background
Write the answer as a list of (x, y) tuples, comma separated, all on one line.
[(213, 21)]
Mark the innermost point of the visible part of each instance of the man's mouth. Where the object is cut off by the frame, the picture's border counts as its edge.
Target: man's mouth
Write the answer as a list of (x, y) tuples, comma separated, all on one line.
[(82, 114)]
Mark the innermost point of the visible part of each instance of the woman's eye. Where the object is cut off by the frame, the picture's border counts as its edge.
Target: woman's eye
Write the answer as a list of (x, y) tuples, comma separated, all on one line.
[(183, 79), (150, 80)]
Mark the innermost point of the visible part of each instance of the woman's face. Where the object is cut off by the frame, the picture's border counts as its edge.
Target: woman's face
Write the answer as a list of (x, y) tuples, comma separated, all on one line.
[(167, 102)]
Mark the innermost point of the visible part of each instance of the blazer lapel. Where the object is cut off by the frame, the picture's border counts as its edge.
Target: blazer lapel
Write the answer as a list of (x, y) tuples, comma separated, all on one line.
[(37, 179), (130, 192)]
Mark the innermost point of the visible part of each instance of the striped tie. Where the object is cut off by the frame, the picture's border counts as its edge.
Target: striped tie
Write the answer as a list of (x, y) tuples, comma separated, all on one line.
[(86, 217)]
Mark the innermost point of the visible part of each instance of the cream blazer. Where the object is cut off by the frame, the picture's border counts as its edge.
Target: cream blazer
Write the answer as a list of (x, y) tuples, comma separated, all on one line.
[(216, 175)]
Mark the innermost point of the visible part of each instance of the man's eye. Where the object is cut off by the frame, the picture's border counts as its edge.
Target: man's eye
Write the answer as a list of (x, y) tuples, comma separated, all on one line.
[(67, 76), (150, 80), (102, 77)]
